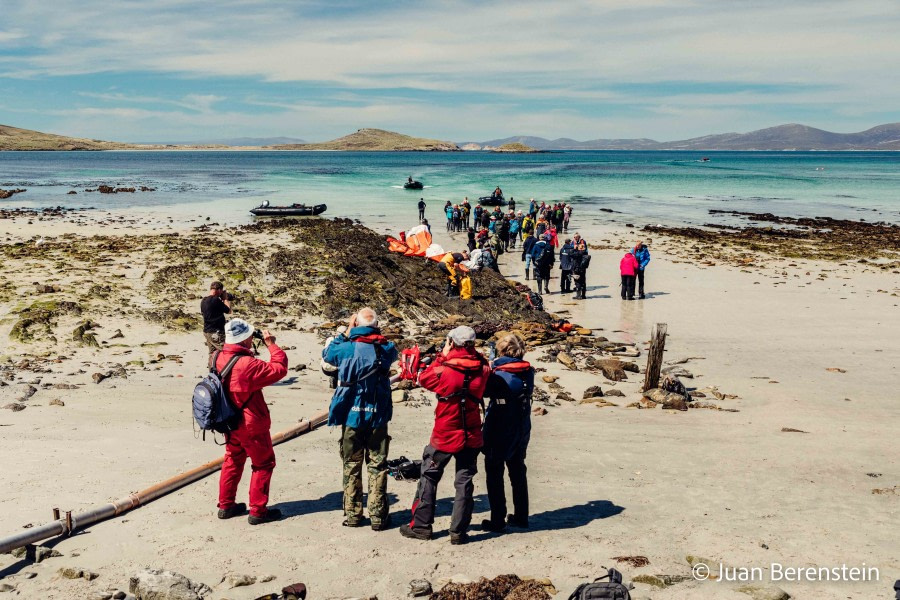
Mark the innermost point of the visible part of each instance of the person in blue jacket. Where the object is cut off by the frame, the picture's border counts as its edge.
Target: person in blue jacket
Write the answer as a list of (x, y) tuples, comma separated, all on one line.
[(361, 405), (543, 257), (507, 431), (642, 254)]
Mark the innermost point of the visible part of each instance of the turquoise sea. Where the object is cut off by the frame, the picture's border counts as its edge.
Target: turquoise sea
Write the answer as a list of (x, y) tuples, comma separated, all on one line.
[(642, 187)]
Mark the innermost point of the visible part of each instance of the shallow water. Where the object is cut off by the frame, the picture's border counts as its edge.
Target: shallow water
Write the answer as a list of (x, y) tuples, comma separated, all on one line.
[(643, 187)]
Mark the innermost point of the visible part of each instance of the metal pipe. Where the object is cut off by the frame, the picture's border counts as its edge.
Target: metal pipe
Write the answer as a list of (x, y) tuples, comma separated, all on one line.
[(106, 511)]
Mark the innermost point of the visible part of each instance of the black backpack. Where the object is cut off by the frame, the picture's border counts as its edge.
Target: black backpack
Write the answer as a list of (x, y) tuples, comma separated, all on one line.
[(613, 589), (545, 258)]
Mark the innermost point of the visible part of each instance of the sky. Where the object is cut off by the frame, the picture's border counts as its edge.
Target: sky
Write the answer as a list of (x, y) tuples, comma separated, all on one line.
[(174, 70)]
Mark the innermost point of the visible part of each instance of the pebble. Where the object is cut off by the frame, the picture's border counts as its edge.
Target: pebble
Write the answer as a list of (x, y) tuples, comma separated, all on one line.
[(237, 580), (550, 378)]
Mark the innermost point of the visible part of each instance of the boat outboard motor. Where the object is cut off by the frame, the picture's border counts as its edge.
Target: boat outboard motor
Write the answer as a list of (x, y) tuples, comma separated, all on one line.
[(265, 204)]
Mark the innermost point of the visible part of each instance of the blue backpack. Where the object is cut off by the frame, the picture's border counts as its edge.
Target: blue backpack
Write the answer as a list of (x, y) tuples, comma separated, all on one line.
[(213, 411)]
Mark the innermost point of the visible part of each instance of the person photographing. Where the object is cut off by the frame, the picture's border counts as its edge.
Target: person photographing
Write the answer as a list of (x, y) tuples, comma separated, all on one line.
[(458, 376), (362, 406), (252, 438)]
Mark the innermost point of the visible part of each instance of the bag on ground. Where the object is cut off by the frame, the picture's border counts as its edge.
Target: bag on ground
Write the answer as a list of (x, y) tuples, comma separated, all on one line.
[(213, 411), (612, 589), (403, 469)]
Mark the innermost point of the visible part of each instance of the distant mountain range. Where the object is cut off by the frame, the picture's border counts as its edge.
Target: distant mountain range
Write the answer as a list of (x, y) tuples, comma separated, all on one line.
[(783, 137)]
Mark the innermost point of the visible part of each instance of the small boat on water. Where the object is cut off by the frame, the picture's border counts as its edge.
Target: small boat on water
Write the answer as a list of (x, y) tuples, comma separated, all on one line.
[(413, 185), (492, 200), (294, 210)]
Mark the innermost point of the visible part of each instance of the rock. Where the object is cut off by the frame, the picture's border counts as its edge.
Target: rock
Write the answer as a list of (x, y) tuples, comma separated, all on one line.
[(118, 334), (583, 331), (98, 377), (565, 396), (267, 578), (539, 411), (566, 359), (549, 378), (399, 396), (15, 406), (64, 386), (614, 392), (27, 392), (76, 573), (677, 371), (234, 580), (119, 595), (6, 587), (647, 403), (57, 402), (156, 584), (612, 369), (764, 592), (599, 401), (593, 392), (42, 553), (419, 587)]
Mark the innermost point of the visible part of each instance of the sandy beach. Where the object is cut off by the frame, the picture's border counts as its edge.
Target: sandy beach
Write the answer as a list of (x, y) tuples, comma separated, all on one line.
[(791, 344)]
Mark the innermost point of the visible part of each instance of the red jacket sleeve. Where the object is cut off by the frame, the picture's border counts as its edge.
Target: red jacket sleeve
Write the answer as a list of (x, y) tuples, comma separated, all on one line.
[(430, 378), (261, 373)]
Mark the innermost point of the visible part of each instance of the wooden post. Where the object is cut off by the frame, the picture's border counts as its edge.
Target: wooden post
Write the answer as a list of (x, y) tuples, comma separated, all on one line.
[(655, 356)]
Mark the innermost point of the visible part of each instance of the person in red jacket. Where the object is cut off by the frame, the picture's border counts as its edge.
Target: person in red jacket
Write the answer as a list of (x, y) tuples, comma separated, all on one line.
[(628, 267), (253, 436), (458, 376)]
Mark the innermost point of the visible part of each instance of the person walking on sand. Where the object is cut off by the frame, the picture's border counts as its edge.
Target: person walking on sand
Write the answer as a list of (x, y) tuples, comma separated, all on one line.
[(244, 385), (580, 262), (422, 206), (628, 266), (543, 257), (506, 432), (527, 247), (361, 405), (642, 254), (214, 307), (458, 377), (466, 212), (448, 210), (565, 267)]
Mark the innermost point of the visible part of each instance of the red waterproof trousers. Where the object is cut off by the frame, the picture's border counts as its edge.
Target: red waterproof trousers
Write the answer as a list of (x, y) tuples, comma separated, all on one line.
[(258, 446)]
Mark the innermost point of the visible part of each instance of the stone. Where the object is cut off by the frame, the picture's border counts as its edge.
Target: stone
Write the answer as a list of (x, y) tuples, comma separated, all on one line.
[(677, 371), (27, 392), (234, 580), (57, 402), (419, 587), (598, 401), (119, 595), (593, 392), (648, 403), (764, 592), (15, 406), (566, 359), (98, 377), (539, 411), (101, 595), (583, 331), (156, 584), (549, 378), (42, 553), (267, 578), (399, 396), (614, 392), (565, 396), (71, 572)]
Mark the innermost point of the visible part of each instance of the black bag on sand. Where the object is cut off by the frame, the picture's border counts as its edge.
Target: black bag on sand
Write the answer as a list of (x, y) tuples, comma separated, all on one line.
[(403, 469), (613, 589)]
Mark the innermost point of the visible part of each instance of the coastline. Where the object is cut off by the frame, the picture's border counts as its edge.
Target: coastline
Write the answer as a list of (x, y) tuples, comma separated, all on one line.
[(659, 483)]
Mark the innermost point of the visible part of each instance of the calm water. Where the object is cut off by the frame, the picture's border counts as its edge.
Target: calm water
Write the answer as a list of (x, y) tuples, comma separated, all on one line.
[(643, 187)]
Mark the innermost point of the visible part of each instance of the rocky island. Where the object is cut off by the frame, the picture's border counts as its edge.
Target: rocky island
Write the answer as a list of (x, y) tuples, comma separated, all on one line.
[(376, 140)]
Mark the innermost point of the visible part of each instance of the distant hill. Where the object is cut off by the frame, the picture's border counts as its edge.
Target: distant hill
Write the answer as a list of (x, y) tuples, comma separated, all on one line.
[(13, 138), (376, 140), (783, 137)]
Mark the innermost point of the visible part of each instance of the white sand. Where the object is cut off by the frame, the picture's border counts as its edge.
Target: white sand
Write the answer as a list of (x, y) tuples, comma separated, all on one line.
[(604, 481)]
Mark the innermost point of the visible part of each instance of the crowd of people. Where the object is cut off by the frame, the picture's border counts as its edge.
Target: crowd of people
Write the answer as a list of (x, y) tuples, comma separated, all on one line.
[(361, 357)]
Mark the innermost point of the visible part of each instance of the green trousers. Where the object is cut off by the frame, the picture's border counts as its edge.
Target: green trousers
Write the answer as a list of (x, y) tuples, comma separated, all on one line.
[(369, 446)]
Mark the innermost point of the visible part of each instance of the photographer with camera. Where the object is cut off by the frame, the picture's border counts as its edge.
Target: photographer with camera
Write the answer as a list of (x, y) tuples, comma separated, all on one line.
[(252, 437), (458, 375), (214, 307), (362, 406)]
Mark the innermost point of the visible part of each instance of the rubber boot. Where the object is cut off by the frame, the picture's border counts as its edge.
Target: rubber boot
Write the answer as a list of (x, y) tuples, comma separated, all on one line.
[(527, 274)]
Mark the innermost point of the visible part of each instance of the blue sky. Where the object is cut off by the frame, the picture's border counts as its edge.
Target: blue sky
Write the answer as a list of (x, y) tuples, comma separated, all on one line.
[(173, 70)]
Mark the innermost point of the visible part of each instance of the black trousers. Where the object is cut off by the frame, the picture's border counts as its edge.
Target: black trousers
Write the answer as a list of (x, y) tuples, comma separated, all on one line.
[(640, 278), (421, 213), (581, 286), (496, 487), (433, 464), (565, 281), (628, 287)]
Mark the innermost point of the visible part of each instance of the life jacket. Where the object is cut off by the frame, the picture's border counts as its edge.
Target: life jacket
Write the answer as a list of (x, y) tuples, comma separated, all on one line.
[(410, 360), (520, 366)]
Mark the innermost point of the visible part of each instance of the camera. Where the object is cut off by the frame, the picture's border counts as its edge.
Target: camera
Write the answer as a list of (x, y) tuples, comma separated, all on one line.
[(228, 296), (257, 334)]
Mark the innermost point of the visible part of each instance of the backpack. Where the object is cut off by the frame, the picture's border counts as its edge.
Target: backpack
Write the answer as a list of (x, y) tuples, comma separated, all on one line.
[(213, 410), (410, 361), (543, 259), (535, 300), (613, 589), (403, 469)]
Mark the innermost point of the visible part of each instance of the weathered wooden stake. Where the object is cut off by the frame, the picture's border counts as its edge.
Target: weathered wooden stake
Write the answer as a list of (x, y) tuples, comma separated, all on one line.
[(655, 356)]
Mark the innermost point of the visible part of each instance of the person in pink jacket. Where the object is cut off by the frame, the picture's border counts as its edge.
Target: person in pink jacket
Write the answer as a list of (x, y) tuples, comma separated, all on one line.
[(628, 267)]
